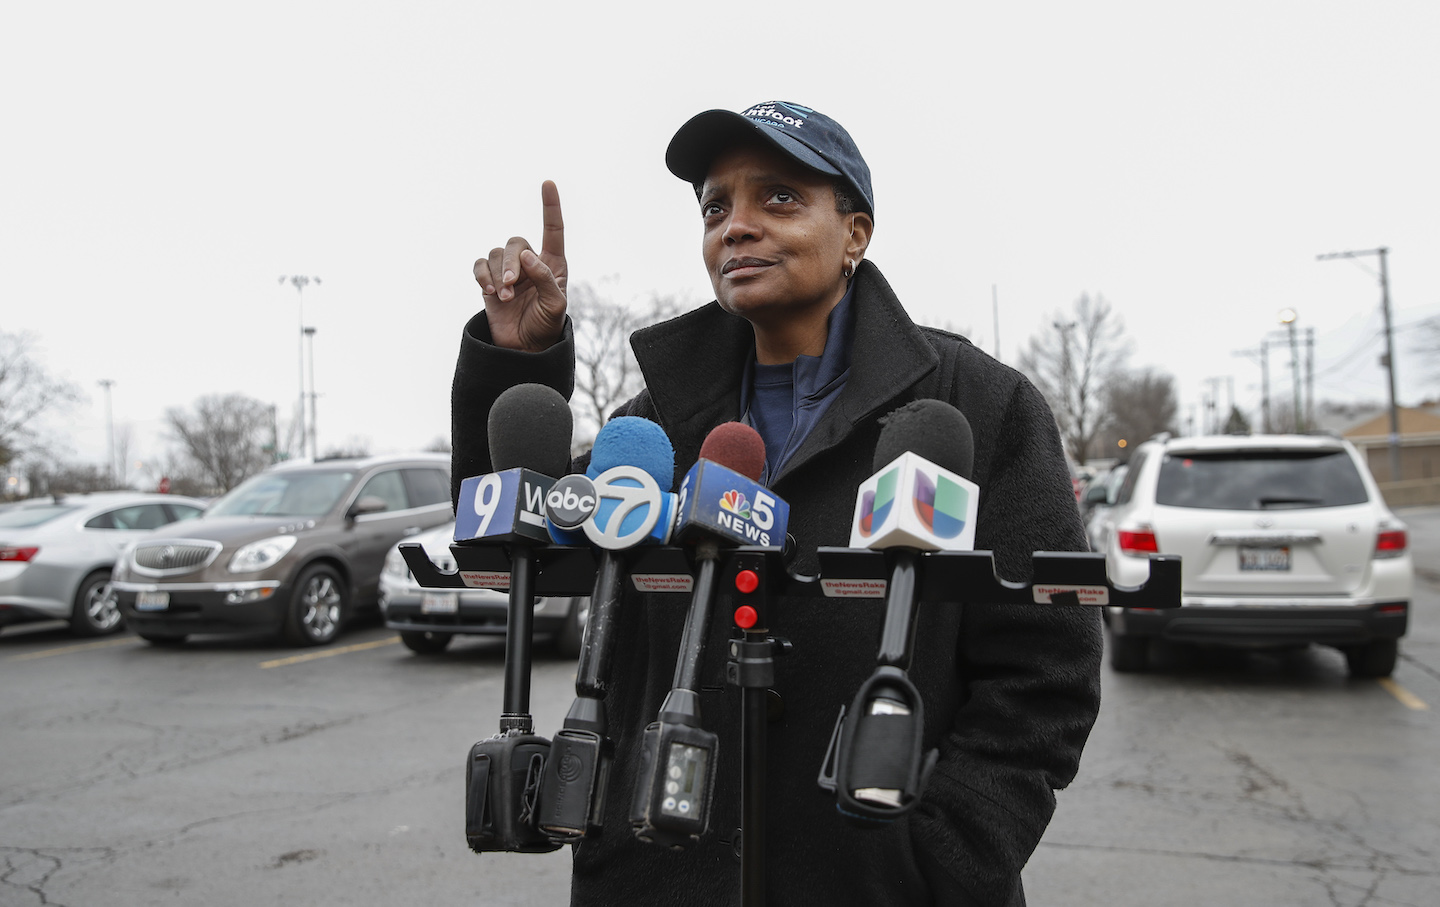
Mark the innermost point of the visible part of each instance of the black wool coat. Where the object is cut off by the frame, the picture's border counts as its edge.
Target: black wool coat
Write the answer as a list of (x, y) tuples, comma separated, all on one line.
[(1010, 692)]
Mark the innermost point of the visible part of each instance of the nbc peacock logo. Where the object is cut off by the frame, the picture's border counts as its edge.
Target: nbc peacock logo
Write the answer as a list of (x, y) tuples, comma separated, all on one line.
[(736, 503), (875, 505), (941, 504)]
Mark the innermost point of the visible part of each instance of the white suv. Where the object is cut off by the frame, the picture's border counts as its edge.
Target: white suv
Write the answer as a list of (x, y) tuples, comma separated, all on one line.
[(1285, 541)]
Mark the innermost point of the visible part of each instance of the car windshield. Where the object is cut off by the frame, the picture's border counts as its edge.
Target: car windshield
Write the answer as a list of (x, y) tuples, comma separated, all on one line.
[(285, 494), (25, 517), (1260, 480)]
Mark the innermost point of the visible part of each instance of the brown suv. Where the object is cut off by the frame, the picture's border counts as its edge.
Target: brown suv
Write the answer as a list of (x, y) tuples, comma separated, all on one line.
[(292, 550)]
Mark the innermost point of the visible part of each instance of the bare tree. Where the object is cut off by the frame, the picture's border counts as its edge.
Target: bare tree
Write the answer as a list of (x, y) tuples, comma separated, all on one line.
[(606, 373), (1425, 342), (353, 447), (1071, 363), (1139, 404), (48, 477), (26, 391), (226, 437)]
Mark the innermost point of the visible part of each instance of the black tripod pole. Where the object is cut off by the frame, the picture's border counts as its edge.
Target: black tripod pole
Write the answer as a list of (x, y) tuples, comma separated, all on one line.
[(515, 711), (756, 668), (752, 668)]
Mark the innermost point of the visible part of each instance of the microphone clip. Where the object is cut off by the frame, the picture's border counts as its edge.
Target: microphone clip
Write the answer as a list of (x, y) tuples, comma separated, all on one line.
[(876, 764), (502, 784)]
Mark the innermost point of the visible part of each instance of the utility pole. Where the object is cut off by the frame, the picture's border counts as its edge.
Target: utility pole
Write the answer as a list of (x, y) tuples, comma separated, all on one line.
[(1288, 318), (1262, 355), (300, 282), (1310, 377), (1389, 360), (995, 310), (314, 438), (108, 383)]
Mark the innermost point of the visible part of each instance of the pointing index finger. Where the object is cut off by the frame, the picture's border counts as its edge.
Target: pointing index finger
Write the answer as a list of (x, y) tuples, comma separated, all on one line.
[(552, 241)]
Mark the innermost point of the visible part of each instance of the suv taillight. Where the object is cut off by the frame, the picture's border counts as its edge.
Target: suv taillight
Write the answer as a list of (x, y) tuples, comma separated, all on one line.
[(1391, 543), (1137, 541), (18, 554)]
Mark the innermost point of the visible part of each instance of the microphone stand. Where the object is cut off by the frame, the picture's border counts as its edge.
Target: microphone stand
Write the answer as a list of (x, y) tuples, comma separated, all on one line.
[(520, 616), (752, 669)]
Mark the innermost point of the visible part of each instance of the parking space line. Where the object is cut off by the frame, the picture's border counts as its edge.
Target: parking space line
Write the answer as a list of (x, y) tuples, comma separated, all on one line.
[(329, 653), (80, 647), (1407, 698)]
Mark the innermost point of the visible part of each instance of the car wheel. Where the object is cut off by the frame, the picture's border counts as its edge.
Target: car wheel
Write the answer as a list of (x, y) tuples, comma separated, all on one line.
[(1129, 654), (97, 611), (160, 639), (1374, 659), (424, 642), (317, 607), (570, 638)]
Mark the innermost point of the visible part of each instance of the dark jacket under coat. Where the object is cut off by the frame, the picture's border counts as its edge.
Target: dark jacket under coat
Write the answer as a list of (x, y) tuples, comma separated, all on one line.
[(1010, 692)]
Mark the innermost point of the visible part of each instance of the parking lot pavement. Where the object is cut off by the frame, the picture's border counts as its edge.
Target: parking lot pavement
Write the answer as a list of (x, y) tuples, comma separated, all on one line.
[(1275, 779), (241, 772)]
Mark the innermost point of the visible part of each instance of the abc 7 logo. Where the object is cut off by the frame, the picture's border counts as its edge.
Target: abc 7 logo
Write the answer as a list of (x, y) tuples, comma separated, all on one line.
[(628, 505), (617, 510), (570, 502)]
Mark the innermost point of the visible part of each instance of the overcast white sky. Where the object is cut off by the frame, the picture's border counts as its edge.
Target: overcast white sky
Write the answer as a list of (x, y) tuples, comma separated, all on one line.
[(162, 164)]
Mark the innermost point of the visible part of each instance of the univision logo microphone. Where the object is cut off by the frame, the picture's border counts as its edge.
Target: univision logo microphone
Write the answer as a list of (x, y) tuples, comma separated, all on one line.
[(914, 503)]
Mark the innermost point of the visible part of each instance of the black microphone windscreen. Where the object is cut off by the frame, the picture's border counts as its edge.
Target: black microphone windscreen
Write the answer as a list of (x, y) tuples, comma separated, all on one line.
[(932, 429), (530, 427)]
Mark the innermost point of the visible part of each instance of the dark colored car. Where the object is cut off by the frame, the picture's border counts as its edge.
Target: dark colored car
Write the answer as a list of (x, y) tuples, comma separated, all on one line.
[(293, 550)]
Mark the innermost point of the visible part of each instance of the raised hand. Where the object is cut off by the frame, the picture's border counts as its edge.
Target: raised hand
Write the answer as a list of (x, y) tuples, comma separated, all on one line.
[(525, 292)]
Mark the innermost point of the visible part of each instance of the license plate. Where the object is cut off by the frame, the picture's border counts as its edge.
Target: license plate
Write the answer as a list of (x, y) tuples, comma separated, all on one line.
[(1273, 559), (439, 603), (152, 601)]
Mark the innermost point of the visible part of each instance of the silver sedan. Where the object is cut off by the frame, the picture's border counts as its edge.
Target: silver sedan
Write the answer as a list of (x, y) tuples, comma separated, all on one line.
[(56, 553)]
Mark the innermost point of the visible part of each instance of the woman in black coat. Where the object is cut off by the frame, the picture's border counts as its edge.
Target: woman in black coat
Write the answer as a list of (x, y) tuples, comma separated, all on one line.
[(1010, 692)]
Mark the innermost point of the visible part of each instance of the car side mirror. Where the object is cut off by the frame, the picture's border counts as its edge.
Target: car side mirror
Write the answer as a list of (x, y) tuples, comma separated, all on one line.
[(1096, 494), (368, 504)]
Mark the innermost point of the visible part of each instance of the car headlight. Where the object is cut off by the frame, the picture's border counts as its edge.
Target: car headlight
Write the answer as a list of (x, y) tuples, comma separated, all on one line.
[(262, 554), (395, 565), (121, 570)]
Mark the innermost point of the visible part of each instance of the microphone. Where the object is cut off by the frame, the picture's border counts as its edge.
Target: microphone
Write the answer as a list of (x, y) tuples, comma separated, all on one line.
[(622, 501), (529, 427), (721, 503), (917, 500)]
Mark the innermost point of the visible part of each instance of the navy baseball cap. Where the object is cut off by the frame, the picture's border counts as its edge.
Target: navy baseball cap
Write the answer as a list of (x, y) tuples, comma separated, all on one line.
[(806, 135)]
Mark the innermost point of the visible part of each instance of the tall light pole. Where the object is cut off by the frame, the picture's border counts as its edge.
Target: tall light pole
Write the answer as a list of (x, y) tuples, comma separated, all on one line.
[(1287, 318), (300, 282), (314, 436), (1389, 360), (108, 383)]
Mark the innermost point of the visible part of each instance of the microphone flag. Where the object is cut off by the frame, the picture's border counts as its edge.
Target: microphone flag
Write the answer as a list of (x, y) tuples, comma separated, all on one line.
[(506, 506), (720, 502), (913, 503)]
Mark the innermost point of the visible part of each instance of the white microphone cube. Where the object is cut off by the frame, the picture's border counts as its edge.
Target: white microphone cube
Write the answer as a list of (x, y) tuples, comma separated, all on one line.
[(912, 503)]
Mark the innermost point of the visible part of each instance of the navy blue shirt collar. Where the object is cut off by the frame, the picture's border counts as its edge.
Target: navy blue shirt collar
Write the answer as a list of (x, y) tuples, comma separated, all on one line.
[(818, 380)]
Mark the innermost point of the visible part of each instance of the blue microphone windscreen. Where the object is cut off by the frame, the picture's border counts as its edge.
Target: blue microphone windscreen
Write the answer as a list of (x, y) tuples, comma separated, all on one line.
[(633, 441)]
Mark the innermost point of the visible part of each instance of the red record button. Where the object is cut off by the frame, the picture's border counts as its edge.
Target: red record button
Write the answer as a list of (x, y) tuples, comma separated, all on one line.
[(747, 581), (745, 617)]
